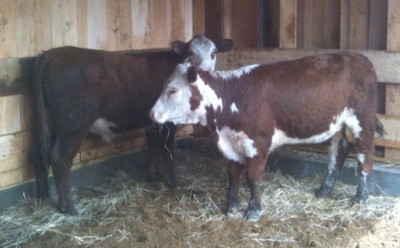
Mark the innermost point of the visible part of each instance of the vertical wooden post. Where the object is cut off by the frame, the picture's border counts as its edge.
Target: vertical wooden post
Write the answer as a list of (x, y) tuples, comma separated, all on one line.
[(199, 25), (227, 19), (288, 23), (393, 90)]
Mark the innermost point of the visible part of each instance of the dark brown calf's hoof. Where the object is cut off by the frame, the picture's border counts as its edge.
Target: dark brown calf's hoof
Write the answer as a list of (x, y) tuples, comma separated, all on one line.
[(323, 192), (171, 184), (253, 212), (153, 178), (69, 210)]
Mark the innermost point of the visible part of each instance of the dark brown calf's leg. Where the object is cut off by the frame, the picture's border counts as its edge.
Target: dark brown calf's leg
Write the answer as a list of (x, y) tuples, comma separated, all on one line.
[(61, 155), (234, 172), (365, 157), (168, 153), (338, 152), (254, 176), (161, 143)]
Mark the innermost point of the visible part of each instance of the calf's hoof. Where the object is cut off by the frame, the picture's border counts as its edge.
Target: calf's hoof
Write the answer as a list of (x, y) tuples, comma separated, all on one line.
[(69, 210), (153, 178), (171, 184), (252, 215), (323, 192), (233, 209)]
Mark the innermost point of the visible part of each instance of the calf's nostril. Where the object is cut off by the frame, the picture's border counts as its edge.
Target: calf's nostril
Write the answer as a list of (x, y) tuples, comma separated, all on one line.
[(151, 114)]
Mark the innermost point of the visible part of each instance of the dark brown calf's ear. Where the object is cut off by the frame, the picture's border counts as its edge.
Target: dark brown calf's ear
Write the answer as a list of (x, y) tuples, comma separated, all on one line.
[(179, 46), (192, 74), (224, 45)]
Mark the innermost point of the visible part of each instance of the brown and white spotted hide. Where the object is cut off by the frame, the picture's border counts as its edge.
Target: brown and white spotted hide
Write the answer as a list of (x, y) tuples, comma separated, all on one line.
[(257, 108)]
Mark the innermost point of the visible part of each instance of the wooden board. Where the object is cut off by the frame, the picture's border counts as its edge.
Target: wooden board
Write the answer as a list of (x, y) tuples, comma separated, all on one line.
[(387, 64), (288, 24), (8, 44)]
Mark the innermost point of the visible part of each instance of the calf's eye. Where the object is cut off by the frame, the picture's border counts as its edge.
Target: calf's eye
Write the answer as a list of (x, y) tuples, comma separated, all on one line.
[(172, 91)]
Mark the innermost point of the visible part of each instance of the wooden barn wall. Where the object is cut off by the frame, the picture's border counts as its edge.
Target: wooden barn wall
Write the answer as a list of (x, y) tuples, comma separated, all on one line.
[(28, 27)]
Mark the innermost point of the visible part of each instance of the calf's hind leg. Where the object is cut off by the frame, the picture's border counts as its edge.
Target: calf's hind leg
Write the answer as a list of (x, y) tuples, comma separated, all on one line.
[(365, 153), (338, 152), (62, 152)]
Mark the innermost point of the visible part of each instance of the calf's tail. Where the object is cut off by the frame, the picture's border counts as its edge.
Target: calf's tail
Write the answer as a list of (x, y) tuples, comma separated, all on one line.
[(41, 135), (379, 127)]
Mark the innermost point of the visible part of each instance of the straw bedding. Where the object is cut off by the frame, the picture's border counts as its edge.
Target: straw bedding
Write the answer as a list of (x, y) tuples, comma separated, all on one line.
[(125, 211)]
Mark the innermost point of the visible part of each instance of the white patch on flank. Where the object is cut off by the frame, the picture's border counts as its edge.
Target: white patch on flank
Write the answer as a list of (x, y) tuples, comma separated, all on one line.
[(234, 108), (102, 127), (236, 145), (360, 158), (347, 117), (238, 73)]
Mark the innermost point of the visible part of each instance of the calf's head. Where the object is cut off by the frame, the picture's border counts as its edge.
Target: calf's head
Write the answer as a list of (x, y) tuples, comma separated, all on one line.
[(185, 98), (201, 51)]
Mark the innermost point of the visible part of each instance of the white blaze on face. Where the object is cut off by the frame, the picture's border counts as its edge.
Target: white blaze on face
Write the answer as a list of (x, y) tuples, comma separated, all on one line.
[(347, 117), (174, 104), (103, 127), (202, 53), (235, 145)]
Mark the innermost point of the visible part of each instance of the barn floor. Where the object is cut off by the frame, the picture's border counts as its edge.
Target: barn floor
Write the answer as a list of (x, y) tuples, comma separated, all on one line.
[(125, 211)]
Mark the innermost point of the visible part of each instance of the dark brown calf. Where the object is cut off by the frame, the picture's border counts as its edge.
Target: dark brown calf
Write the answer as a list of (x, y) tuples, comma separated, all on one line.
[(80, 90), (257, 108)]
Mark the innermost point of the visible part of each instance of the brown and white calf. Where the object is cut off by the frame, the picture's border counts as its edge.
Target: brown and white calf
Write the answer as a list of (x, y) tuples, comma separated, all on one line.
[(257, 108), (78, 90)]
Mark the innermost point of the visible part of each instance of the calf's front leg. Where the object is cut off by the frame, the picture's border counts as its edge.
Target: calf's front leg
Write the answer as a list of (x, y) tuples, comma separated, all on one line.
[(254, 176), (234, 172)]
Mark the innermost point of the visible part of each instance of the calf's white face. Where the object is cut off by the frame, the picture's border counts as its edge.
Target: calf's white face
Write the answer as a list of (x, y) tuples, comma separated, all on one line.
[(185, 98), (202, 53)]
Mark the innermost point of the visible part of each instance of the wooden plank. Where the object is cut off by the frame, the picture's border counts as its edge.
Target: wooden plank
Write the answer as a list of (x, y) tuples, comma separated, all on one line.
[(392, 127), (8, 43), (387, 64), (344, 24), (96, 24), (377, 22), (64, 23), (82, 23), (331, 34), (358, 24), (140, 23), (314, 23), (288, 24), (25, 28), (13, 152), (119, 25), (180, 20), (11, 112), (227, 19), (14, 177), (199, 23)]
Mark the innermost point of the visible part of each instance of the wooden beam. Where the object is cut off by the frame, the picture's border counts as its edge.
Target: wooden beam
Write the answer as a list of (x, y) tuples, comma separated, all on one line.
[(199, 24), (288, 23), (386, 63)]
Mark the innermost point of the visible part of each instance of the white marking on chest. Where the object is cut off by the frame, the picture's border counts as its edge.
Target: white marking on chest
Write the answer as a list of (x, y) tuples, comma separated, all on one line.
[(347, 117), (235, 145), (238, 73), (234, 108), (102, 127)]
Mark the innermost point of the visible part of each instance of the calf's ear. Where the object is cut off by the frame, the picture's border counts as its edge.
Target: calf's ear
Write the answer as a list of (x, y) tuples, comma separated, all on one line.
[(179, 46), (192, 74), (224, 45)]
